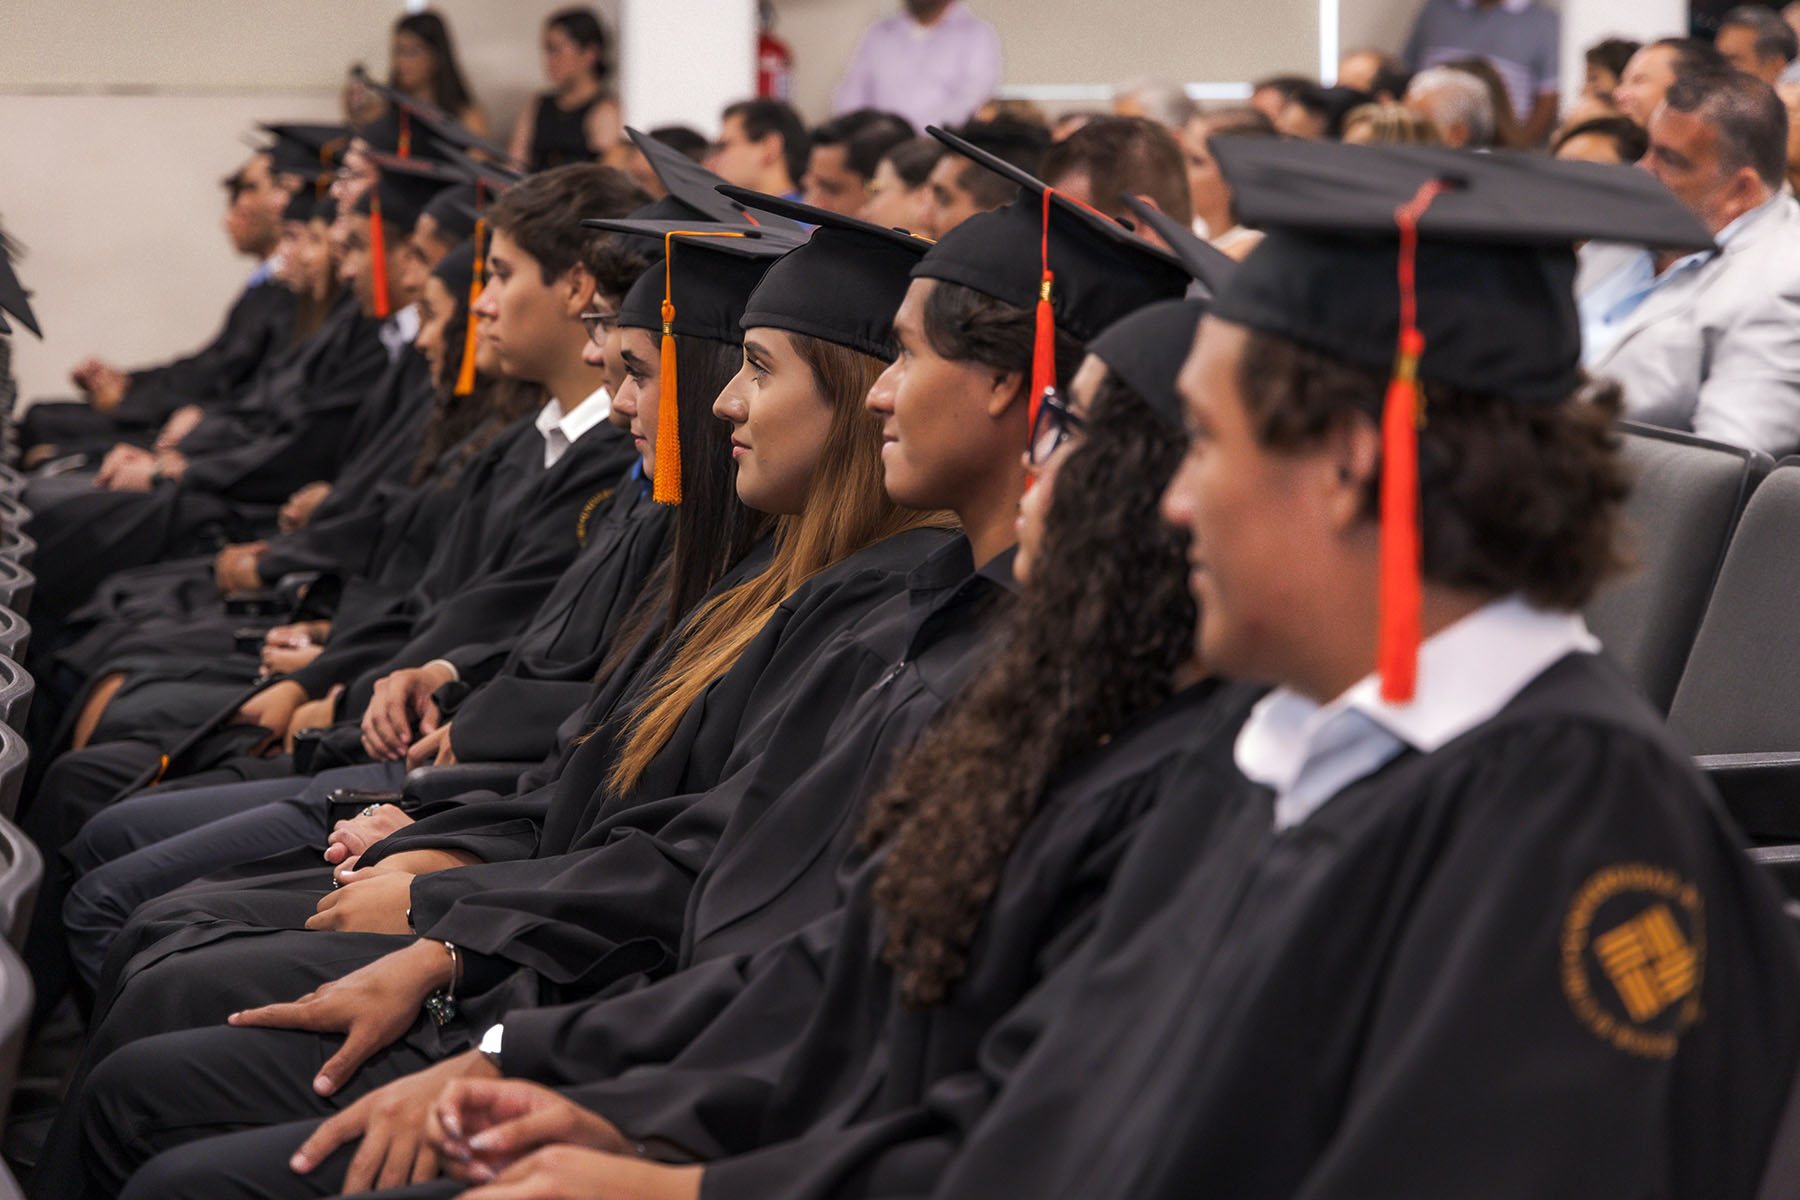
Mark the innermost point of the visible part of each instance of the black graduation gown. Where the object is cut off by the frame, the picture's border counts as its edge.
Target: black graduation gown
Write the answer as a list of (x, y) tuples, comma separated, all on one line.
[(1533, 963), (256, 327), (227, 494)]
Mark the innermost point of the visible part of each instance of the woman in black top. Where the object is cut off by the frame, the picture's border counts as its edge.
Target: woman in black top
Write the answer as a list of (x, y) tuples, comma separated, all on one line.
[(578, 119)]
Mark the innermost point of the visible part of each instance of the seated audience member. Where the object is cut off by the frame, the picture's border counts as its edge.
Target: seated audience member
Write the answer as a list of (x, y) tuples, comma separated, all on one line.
[(1379, 74), (1708, 341), (933, 64), (1654, 67), (1388, 124), (762, 146), (1270, 96), (1065, 124), (577, 120), (422, 64), (1160, 100), (1380, 971), (1213, 215), (1457, 104), (846, 153), (1603, 140), (1756, 41), (1025, 112), (1519, 39), (1115, 157), (1790, 100), (1315, 113), (258, 323), (957, 189), (1604, 68), (896, 196), (960, 908), (1507, 133)]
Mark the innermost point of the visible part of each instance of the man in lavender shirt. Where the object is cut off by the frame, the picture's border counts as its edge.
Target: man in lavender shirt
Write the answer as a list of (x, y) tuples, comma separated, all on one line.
[(934, 64)]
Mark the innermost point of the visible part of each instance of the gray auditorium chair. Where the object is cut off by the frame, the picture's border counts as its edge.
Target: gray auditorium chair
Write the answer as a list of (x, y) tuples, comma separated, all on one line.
[(16, 689), (13, 755), (15, 1017), (16, 545), (16, 582), (12, 481), (1737, 706), (21, 872), (1687, 494), (15, 634)]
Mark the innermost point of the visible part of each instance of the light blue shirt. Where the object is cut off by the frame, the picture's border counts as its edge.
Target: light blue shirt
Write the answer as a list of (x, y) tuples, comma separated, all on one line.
[(1608, 305)]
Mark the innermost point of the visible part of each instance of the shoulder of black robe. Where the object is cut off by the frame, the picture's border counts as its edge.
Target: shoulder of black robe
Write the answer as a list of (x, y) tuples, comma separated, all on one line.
[(1537, 959), (809, 1042), (757, 855), (258, 324)]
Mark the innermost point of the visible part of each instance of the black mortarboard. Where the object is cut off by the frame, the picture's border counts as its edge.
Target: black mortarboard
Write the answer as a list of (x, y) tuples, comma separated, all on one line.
[(456, 270), (455, 210), (421, 129), (492, 177), (301, 206), (1078, 266), (402, 188), (1444, 266), (304, 148), (693, 194), (842, 285), (14, 300), (1210, 266), (1147, 349), (700, 289)]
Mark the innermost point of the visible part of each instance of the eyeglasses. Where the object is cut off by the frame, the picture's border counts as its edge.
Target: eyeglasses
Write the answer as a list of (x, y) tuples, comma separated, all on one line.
[(1056, 423), (599, 325)]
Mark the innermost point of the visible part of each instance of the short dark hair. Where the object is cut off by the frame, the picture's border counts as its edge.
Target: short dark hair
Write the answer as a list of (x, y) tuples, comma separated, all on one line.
[(584, 27), (1611, 54), (1627, 136), (1693, 56), (762, 117), (1019, 143), (1124, 156), (1774, 36), (1329, 105), (1288, 85), (617, 263), (1749, 117), (867, 134), (684, 139), (1513, 497), (542, 213), (965, 325), (914, 158)]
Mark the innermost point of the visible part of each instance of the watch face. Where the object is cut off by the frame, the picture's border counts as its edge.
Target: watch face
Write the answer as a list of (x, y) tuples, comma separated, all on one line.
[(490, 1041)]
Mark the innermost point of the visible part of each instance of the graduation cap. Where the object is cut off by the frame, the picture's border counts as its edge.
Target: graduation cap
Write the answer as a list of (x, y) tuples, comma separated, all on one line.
[(1210, 266), (1080, 268), (456, 270), (407, 118), (403, 187), (693, 190), (305, 148), (303, 205), (14, 300), (456, 209), (843, 284), (1444, 266), (700, 291)]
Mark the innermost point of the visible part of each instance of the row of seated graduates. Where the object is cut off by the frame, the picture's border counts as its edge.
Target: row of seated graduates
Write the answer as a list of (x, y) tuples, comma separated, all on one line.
[(735, 831)]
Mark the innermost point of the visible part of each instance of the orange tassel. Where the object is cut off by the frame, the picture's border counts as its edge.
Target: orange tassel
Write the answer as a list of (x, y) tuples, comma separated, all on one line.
[(405, 145), (465, 378), (1401, 596), (378, 253), (1043, 346), (666, 486)]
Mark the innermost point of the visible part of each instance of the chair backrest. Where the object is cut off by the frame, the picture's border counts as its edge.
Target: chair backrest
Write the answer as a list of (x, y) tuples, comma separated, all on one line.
[(12, 481), (1737, 692), (1687, 494), (21, 874), (15, 635), (16, 689), (16, 545), (16, 582), (13, 757), (15, 1019)]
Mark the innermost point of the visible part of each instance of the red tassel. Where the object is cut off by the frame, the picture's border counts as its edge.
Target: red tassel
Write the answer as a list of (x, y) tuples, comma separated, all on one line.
[(1403, 413), (465, 378), (405, 145), (1043, 346), (378, 253)]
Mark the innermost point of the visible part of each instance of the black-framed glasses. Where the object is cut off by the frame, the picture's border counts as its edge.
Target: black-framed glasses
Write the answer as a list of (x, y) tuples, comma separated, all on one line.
[(1056, 423), (599, 325)]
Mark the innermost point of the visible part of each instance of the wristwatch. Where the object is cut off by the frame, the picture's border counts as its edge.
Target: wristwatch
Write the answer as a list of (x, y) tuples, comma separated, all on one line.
[(489, 1046)]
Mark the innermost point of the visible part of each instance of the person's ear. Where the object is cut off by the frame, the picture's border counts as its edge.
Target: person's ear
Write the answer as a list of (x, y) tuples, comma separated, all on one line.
[(1005, 388), (577, 287), (1146, 230), (1351, 460)]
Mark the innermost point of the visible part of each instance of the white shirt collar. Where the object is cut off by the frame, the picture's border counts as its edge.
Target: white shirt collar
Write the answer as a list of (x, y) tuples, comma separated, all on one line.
[(562, 430), (399, 330), (1307, 753)]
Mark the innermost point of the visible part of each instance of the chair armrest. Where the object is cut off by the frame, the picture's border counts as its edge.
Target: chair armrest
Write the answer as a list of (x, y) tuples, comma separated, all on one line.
[(1760, 790), (432, 785)]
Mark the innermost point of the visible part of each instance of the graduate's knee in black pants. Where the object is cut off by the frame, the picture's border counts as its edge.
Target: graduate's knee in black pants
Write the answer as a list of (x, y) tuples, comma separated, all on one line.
[(250, 1165)]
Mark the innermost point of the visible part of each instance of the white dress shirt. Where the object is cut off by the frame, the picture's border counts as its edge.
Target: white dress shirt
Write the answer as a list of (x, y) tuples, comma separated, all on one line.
[(562, 430), (1306, 753)]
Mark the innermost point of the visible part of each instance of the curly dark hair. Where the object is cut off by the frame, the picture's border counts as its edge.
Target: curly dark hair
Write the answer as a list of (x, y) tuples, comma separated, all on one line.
[(1513, 497), (1093, 642)]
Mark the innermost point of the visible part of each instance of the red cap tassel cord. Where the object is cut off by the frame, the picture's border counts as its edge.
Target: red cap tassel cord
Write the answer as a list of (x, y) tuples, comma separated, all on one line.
[(665, 487), (465, 378), (405, 145), (378, 253), (1043, 346), (1403, 413)]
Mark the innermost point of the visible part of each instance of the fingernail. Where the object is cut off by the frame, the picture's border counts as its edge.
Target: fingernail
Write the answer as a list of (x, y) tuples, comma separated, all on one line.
[(299, 1165), (482, 1141), (322, 1085), (451, 1124)]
